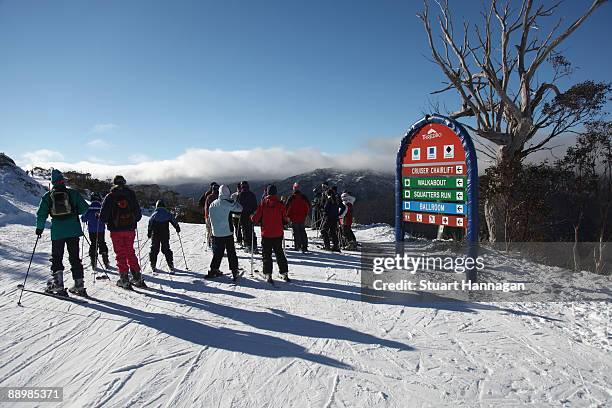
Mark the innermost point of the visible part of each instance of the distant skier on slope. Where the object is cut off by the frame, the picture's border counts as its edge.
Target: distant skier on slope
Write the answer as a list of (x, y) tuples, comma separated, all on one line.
[(121, 212), (346, 220), (97, 232), (298, 207), (159, 233), (64, 205), (272, 215), (223, 238), (248, 201)]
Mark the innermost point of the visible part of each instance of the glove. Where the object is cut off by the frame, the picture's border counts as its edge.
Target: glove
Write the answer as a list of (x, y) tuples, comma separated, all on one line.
[(39, 231)]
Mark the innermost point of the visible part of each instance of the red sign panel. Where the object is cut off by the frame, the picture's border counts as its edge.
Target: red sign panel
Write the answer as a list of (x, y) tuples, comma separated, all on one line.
[(434, 143), (437, 219)]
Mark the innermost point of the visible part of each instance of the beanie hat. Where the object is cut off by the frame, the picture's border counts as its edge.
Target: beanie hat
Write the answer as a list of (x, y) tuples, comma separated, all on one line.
[(119, 180), (56, 177), (271, 190), (214, 184), (296, 186)]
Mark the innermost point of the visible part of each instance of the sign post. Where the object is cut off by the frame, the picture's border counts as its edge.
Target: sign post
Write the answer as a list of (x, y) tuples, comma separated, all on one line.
[(436, 180)]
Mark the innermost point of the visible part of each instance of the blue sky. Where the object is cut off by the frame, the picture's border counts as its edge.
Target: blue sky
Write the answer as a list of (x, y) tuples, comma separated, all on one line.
[(125, 81)]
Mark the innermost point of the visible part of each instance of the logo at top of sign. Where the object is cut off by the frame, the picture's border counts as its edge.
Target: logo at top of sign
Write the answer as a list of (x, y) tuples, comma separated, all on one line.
[(431, 152), (416, 153), (449, 151), (431, 134)]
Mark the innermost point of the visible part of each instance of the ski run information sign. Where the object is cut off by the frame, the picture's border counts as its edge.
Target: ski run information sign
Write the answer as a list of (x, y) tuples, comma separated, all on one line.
[(437, 176)]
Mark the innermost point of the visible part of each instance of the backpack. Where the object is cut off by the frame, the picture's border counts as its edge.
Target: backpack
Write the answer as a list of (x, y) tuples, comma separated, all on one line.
[(59, 204), (123, 215)]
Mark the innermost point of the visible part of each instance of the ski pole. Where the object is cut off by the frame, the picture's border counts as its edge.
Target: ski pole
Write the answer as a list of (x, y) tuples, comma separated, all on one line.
[(181, 242), (28, 271), (252, 245), (82, 243)]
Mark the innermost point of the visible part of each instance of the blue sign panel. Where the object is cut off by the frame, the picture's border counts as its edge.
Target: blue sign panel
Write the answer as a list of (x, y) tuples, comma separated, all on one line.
[(433, 207)]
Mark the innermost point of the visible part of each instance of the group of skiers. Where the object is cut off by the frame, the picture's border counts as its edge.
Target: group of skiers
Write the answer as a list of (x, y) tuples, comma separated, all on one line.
[(225, 214)]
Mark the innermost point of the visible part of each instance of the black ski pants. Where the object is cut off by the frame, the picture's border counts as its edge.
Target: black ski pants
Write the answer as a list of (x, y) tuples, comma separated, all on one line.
[(164, 244), (268, 245), (57, 256), (220, 246)]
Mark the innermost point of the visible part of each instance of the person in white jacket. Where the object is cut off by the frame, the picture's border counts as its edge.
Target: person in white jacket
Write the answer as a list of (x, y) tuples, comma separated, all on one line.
[(223, 238)]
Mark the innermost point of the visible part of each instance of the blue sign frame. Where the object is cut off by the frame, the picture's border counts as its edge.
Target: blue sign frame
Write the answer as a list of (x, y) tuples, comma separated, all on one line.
[(471, 210)]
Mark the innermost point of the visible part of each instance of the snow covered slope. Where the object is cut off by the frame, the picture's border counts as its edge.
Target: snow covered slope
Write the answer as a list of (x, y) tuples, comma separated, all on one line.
[(19, 195), (310, 343)]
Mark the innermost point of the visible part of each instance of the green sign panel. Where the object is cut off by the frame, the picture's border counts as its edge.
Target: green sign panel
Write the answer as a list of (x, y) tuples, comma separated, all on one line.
[(434, 182), (434, 195)]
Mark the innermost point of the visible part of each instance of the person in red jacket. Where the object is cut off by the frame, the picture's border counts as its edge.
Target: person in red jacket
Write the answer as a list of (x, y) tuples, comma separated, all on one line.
[(298, 207), (272, 215)]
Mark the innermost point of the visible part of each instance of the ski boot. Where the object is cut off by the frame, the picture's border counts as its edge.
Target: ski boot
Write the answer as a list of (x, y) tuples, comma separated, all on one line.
[(124, 281), (335, 249), (285, 277), (154, 267), (138, 280), (269, 278), (55, 285), (171, 268), (235, 275), (78, 288)]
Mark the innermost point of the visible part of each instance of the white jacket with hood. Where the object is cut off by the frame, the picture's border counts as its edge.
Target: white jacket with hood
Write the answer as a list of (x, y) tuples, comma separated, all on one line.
[(219, 212)]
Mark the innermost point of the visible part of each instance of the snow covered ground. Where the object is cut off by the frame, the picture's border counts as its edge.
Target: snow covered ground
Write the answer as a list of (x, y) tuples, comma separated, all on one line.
[(310, 343)]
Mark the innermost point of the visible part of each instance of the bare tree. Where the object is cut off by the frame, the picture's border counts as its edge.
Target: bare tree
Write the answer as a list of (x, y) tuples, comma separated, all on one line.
[(495, 67)]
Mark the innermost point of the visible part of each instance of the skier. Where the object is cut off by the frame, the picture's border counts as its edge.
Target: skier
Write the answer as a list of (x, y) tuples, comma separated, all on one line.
[(346, 220), (97, 232), (248, 201), (214, 194), (223, 238), (272, 215), (297, 210), (202, 203), (236, 218), (159, 233), (329, 227), (121, 213), (64, 205)]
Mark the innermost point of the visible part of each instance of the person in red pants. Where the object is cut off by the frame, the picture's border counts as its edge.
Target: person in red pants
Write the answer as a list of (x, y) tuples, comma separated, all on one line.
[(121, 213)]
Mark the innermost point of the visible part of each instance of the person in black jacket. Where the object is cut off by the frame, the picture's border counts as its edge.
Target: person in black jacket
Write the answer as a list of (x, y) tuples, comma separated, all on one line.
[(248, 201), (121, 213), (329, 228), (159, 233)]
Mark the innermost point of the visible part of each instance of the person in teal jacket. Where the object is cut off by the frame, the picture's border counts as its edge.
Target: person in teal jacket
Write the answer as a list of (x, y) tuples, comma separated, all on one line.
[(64, 205)]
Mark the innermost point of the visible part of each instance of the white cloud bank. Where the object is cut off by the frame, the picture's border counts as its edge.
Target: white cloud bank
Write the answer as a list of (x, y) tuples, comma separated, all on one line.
[(42, 156), (196, 165)]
